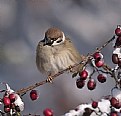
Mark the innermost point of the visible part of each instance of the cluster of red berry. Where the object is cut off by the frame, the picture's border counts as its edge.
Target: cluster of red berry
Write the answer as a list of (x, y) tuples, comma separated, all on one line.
[(98, 62), (9, 103), (114, 103)]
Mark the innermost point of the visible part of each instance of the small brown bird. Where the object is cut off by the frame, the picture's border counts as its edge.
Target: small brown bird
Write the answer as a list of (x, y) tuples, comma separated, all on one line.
[(55, 53)]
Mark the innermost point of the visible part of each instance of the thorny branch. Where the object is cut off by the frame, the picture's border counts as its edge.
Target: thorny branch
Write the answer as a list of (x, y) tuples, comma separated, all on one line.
[(83, 63)]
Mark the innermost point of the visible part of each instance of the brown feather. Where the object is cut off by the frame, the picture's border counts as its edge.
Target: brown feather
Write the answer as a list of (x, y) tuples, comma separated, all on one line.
[(52, 59)]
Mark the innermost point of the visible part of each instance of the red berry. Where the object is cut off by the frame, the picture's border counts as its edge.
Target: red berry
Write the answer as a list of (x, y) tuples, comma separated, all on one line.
[(33, 95), (118, 106), (97, 56), (99, 63), (48, 112), (114, 101), (83, 75), (94, 104), (6, 101), (115, 58), (101, 78), (91, 84), (6, 109), (12, 97), (113, 113), (118, 30), (80, 83)]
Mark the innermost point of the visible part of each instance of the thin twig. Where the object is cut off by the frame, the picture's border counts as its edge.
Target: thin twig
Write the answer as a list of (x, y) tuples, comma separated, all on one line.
[(24, 90), (106, 43)]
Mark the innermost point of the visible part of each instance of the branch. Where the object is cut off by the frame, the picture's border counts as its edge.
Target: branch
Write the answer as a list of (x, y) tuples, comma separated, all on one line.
[(83, 63)]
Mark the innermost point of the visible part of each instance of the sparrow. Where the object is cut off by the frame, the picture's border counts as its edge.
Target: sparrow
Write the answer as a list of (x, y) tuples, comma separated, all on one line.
[(55, 53)]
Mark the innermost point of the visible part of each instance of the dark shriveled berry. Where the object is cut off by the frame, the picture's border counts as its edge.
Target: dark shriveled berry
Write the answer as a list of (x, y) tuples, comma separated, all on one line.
[(115, 58), (80, 83), (118, 42), (101, 78)]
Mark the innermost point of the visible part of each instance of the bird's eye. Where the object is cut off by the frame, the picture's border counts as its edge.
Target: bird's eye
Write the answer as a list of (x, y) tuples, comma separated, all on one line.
[(59, 41)]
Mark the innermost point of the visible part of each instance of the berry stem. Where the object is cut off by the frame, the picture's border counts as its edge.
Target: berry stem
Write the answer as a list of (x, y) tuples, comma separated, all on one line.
[(92, 72), (24, 90)]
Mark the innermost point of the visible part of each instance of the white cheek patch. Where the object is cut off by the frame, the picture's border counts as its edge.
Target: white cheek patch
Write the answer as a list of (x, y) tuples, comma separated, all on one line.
[(63, 37), (56, 43)]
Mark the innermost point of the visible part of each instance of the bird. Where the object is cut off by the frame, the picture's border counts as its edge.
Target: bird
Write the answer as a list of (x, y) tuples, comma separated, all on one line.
[(55, 53)]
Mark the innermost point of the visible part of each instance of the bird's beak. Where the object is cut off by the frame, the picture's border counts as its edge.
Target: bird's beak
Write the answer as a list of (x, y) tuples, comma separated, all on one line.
[(48, 41)]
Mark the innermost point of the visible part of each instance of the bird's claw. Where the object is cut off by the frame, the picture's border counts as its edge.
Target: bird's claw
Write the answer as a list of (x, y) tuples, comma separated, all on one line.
[(70, 68), (49, 79)]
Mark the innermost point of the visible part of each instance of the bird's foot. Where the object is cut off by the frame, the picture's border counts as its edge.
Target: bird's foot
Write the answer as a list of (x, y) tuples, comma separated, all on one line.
[(49, 79), (70, 68)]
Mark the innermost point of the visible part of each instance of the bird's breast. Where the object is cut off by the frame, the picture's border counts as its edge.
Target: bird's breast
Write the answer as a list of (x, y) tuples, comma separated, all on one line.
[(62, 60), (51, 60)]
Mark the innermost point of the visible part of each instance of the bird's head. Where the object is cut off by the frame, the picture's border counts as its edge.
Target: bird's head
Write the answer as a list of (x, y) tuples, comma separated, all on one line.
[(53, 37)]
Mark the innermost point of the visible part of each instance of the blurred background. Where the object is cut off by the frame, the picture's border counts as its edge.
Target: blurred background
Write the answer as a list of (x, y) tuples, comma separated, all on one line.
[(89, 23)]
